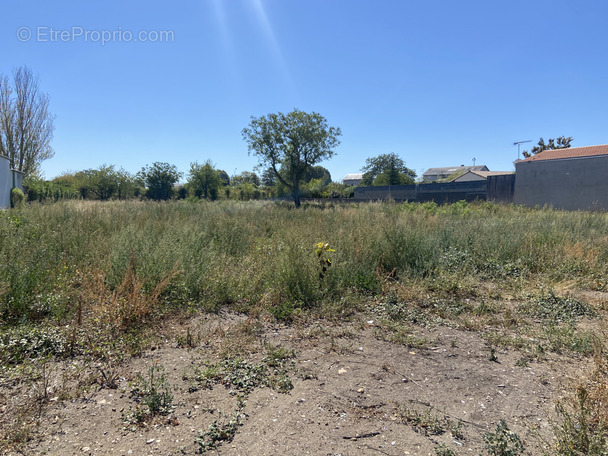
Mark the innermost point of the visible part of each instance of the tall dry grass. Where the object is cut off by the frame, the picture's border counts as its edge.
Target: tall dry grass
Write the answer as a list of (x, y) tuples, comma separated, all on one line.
[(139, 256)]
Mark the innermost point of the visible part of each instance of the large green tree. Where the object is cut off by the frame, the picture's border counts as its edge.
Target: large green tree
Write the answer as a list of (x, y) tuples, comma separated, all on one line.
[(204, 180), (290, 144), (387, 169), (560, 143), (160, 179), (318, 172), (99, 183)]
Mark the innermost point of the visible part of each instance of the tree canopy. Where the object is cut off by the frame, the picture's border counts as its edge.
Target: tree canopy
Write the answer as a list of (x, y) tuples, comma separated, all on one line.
[(387, 169), (103, 183), (26, 125), (204, 180), (318, 172), (560, 143), (246, 177), (269, 178), (224, 177), (292, 142), (160, 179)]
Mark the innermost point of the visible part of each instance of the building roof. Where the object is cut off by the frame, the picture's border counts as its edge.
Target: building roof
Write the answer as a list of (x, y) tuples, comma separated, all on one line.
[(353, 176), (487, 174), (453, 169), (464, 177), (571, 152)]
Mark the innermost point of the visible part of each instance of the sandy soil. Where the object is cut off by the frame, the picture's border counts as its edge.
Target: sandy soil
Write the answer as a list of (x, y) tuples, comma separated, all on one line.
[(353, 394)]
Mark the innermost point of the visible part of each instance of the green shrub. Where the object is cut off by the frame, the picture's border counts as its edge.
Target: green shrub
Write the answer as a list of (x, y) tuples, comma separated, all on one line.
[(17, 198), (503, 442)]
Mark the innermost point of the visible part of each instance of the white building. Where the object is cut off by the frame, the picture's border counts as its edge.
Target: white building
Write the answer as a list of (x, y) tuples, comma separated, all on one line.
[(353, 179)]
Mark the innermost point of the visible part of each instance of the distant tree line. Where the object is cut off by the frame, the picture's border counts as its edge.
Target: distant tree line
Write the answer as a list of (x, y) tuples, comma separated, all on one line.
[(162, 181)]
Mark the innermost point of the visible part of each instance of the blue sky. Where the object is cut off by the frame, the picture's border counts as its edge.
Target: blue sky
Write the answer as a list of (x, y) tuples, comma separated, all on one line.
[(438, 82)]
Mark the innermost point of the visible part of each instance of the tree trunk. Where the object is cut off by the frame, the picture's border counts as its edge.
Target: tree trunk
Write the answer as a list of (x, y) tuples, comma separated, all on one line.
[(296, 195)]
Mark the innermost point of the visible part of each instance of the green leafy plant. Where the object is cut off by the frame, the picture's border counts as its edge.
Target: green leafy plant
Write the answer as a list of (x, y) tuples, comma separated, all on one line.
[(152, 394), (557, 309), (503, 442), (219, 432), (323, 250), (443, 450), (17, 198), (27, 342), (241, 377)]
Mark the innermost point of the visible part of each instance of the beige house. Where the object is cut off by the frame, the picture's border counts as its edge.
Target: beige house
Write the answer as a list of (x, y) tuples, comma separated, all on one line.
[(353, 179)]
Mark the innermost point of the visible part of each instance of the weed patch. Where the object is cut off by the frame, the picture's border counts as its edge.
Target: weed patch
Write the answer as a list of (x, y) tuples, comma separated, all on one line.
[(503, 442), (579, 432), (241, 377), (26, 342), (428, 421), (220, 431), (556, 309), (153, 396)]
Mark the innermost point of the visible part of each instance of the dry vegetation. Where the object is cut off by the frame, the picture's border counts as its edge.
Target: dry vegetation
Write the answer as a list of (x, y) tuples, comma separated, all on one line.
[(198, 321)]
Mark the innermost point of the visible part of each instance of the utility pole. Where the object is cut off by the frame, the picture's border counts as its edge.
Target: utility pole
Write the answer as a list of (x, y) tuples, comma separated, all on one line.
[(474, 161), (518, 143)]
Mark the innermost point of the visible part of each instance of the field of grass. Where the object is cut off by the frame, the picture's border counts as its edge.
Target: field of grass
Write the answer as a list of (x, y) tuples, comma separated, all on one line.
[(87, 279), (131, 259)]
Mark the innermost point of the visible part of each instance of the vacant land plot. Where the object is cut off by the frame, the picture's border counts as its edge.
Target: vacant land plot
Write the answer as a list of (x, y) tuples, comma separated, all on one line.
[(183, 328)]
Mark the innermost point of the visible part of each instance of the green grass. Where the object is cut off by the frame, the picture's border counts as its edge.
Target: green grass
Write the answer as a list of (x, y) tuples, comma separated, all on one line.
[(127, 262)]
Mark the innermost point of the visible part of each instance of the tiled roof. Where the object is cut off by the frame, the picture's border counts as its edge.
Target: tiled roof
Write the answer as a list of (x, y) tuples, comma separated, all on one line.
[(353, 176), (572, 152)]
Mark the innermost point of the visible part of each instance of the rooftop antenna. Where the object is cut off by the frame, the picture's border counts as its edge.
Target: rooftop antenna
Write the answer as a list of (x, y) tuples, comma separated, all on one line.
[(518, 143), (474, 159)]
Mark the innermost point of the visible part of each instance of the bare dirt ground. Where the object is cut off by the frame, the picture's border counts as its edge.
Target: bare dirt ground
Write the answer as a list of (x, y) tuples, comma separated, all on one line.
[(346, 392)]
